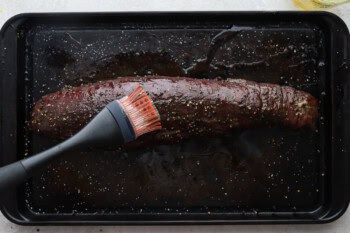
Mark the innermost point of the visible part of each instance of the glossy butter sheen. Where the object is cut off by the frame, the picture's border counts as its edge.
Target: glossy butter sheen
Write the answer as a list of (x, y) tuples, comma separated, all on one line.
[(188, 107)]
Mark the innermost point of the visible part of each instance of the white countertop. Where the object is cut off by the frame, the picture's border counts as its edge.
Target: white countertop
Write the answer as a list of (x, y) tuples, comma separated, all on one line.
[(9, 8)]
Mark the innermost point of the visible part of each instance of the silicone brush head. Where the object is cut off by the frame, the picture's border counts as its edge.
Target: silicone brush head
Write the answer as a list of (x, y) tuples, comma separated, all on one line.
[(141, 112)]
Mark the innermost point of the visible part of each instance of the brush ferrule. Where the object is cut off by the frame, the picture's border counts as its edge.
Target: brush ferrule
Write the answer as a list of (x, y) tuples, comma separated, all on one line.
[(122, 120)]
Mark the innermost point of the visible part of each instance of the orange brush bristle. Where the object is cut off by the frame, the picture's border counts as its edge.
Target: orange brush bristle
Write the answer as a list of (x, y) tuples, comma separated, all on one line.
[(141, 112)]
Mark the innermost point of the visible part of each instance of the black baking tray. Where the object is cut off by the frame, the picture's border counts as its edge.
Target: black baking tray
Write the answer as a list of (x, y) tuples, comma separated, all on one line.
[(262, 175)]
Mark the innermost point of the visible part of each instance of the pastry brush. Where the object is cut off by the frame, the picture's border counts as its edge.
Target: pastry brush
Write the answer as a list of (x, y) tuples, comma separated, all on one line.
[(120, 122)]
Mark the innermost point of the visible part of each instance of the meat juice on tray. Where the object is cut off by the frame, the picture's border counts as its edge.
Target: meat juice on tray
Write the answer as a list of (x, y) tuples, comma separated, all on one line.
[(259, 167)]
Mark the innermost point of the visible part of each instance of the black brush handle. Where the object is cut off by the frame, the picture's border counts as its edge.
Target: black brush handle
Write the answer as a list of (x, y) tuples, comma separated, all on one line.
[(103, 130), (11, 175)]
